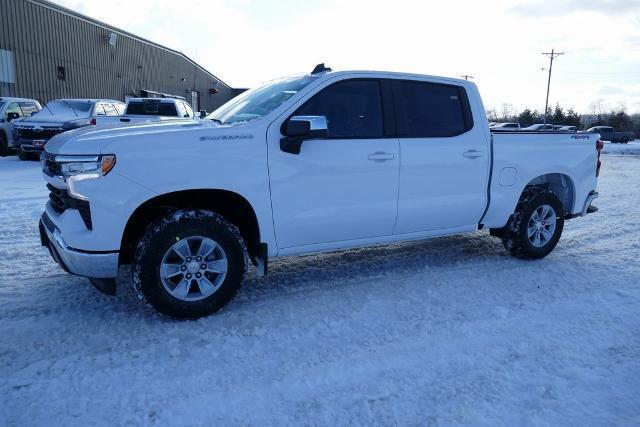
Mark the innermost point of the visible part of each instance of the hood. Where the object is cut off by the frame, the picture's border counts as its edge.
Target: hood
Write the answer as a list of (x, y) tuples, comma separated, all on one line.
[(46, 117), (91, 139)]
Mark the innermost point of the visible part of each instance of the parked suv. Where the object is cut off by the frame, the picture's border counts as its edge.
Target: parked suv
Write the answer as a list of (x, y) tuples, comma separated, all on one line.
[(32, 133), (308, 163), (11, 110)]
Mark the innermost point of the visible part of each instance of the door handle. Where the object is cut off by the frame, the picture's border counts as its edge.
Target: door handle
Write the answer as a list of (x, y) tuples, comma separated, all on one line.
[(381, 156), (473, 154)]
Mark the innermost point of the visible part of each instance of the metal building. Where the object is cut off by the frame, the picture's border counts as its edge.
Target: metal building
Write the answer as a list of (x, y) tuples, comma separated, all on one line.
[(49, 52)]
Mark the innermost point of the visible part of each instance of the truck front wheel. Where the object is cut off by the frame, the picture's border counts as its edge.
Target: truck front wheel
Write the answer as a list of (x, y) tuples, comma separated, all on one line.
[(536, 225), (189, 264)]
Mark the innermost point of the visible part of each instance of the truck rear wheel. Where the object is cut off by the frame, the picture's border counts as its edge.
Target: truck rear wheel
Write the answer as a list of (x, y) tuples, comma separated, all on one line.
[(536, 225), (189, 264)]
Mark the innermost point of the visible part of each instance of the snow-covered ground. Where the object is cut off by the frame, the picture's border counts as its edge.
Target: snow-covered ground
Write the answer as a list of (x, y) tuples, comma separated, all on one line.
[(445, 332)]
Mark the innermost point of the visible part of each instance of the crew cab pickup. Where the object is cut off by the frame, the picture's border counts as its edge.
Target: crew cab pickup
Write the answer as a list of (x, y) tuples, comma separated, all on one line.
[(607, 133), (146, 110), (316, 162)]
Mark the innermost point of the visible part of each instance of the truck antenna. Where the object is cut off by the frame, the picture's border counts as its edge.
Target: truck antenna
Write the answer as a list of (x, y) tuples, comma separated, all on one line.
[(320, 68)]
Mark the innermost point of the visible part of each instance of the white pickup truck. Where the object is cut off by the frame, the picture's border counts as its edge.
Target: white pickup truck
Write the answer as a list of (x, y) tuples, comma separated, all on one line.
[(147, 110), (316, 162)]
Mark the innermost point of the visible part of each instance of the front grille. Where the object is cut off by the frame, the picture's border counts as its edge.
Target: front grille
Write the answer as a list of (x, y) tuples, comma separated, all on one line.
[(61, 201), (38, 133)]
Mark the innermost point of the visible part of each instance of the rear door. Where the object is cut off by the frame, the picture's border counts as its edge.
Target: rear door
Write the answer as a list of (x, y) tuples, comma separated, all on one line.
[(444, 157), (344, 187)]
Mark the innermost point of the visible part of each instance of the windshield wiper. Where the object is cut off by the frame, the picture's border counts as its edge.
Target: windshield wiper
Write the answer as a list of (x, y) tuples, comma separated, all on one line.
[(72, 109), (218, 121)]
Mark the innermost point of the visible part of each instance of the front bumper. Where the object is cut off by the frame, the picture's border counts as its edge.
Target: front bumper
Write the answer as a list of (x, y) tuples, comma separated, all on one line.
[(30, 147), (103, 265)]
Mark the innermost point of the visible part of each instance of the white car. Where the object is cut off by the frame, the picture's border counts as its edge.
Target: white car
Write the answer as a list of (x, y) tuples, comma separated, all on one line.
[(506, 126), (568, 128), (12, 110), (540, 127), (310, 163)]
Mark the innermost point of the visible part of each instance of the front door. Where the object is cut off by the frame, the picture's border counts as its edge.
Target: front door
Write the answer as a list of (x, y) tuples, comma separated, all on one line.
[(341, 188)]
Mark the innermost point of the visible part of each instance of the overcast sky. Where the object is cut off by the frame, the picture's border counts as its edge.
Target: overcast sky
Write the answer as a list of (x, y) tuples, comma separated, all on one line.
[(499, 42)]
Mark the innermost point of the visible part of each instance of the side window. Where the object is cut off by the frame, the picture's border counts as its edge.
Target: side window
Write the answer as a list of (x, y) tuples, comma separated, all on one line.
[(110, 109), (353, 109), (120, 108), (430, 110), (99, 111), (28, 108), (187, 107), (13, 108)]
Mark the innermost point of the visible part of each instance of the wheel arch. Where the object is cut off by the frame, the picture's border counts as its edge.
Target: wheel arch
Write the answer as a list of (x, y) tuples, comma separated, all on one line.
[(559, 184), (232, 206)]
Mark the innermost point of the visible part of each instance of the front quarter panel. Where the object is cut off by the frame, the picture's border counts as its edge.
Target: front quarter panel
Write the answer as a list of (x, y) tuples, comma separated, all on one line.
[(199, 157)]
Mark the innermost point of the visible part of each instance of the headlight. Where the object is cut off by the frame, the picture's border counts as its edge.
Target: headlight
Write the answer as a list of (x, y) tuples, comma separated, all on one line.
[(94, 167), (75, 166), (79, 168)]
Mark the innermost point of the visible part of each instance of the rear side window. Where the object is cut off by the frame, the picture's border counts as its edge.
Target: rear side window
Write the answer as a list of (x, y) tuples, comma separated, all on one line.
[(353, 109), (100, 110), (110, 109), (152, 109), (430, 110), (188, 109)]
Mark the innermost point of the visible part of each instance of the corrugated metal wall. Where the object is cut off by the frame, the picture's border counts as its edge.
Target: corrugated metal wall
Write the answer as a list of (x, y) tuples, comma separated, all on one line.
[(42, 37)]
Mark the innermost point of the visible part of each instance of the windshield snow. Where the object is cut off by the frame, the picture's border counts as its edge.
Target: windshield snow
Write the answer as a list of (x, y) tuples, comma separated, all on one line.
[(69, 108)]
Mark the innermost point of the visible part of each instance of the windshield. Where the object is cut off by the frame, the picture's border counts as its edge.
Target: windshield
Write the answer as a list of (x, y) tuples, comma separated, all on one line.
[(259, 102), (64, 107)]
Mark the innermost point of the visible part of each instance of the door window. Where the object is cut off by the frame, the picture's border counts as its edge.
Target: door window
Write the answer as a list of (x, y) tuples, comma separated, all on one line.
[(353, 109), (430, 110), (13, 108)]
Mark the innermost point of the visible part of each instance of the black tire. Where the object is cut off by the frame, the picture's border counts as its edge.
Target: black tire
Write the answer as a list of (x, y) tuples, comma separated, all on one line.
[(517, 241), (159, 238), (22, 155), (625, 140), (4, 147)]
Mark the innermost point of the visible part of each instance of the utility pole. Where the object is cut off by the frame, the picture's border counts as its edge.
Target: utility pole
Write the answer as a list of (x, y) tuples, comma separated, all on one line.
[(466, 76), (552, 55)]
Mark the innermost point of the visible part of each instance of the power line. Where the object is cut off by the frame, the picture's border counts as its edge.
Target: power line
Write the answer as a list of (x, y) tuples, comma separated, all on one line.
[(552, 55), (599, 73)]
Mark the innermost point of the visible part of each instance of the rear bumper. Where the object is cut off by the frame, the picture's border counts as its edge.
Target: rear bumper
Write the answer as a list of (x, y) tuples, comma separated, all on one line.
[(103, 265), (587, 207)]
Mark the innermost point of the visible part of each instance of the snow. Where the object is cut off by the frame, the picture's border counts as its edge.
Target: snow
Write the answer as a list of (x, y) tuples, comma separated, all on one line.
[(632, 147), (447, 331)]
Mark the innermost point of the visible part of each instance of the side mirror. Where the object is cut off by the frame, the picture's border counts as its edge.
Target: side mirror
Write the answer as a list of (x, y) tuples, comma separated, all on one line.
[(203, 114), (300, 128), (12, 116)]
